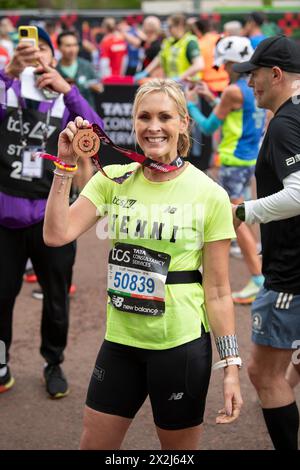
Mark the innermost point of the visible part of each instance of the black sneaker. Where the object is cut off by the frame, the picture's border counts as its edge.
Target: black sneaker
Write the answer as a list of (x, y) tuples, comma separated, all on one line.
[(56, 382), (6, 382)]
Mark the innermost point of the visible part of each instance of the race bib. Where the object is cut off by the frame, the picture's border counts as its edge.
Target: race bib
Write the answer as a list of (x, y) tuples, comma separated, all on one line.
[(32, 165), (136, 279)]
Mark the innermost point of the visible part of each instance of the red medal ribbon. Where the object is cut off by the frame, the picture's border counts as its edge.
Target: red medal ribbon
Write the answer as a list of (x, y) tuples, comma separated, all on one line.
[(86, 143), (136, 157)]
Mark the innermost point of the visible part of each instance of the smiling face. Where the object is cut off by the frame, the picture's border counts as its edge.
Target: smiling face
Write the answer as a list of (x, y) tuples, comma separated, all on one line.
[(158, 126)]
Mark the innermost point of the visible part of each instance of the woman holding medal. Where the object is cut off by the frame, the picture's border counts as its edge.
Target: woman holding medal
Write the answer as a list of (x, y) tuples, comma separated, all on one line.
[(166, 220)]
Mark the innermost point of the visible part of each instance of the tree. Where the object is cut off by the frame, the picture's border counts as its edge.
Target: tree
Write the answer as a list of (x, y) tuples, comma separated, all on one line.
[(11, 4)]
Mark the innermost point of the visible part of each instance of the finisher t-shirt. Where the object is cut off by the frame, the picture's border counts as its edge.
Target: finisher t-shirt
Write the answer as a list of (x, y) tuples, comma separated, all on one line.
[(175, 217)]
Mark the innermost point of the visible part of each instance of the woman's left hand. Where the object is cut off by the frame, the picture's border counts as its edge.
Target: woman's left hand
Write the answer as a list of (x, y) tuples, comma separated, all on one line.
[(232, 396), (65, 147)]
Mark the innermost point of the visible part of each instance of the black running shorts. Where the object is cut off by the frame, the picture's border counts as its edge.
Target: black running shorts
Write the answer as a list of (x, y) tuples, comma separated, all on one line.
[(175, 379)]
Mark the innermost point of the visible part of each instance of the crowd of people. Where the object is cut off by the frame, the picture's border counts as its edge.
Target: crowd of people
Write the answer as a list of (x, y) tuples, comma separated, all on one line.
[(160, 268), (122, 47)]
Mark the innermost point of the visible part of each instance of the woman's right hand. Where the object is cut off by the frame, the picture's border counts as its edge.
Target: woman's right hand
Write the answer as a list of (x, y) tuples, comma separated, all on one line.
[(65, 148), (232, 396)]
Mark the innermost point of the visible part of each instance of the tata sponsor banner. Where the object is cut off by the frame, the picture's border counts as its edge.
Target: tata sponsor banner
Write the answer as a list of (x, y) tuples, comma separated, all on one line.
[(114, 105)]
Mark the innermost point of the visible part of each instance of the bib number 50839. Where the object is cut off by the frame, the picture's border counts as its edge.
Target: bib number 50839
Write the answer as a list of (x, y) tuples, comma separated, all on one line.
[(133, 282)]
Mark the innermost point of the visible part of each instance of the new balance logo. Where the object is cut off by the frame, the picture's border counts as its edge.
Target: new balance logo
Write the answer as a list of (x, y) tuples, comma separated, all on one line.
[(176, 396)]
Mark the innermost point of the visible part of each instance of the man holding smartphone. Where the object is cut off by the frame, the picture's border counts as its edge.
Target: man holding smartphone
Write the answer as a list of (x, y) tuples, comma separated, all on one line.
[(30, 125)]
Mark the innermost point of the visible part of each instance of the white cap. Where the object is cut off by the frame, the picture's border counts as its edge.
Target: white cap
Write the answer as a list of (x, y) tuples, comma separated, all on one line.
[(233, 49)]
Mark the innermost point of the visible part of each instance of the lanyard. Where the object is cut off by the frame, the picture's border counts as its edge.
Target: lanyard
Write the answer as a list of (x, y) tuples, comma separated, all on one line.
[(84, 143), (45, 129)]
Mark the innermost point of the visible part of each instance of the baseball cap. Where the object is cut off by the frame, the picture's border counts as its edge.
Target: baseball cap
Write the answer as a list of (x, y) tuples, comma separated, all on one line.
[(277, 51), (42, 34), (232, 49)]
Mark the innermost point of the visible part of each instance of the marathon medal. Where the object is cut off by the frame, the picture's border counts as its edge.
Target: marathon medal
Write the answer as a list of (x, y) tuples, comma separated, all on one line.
[(86, 143), (136, 279)]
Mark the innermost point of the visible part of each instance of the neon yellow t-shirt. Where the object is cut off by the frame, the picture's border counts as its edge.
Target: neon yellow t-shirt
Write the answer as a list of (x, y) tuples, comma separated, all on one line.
[(175, 217)]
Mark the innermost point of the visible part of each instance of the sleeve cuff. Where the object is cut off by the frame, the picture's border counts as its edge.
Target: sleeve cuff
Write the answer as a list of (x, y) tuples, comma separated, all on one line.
[(71, 95), (6, 78), (191, 104), (249, 215)]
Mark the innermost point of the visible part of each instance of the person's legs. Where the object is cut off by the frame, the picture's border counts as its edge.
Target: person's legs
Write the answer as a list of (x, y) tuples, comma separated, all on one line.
[(117, 390), (235, 180), (53, 267), (102, 431), (293, 374), (267, 370), (180, 439), (275, 327), (178, 382), (12, 264)]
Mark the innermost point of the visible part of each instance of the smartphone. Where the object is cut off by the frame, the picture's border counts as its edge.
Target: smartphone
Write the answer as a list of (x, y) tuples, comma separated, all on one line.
[(29, 34)]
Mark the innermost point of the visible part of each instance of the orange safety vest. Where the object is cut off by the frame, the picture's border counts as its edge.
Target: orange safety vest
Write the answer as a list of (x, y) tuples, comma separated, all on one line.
[(217, 80)]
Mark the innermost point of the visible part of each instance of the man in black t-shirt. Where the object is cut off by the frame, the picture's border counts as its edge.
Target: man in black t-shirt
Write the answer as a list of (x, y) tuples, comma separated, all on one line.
[(275, 77)]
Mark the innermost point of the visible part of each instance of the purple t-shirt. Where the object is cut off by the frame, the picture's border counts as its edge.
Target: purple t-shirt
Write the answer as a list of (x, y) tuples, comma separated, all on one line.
[(19, 212)]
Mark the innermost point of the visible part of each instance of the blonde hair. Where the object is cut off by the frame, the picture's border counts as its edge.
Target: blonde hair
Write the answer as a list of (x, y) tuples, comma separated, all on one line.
[(153, 23), (173, 91)]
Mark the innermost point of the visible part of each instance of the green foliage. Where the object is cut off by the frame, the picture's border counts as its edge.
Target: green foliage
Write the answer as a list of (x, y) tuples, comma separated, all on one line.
[(109, 4), (97, 4), (11, 4), (61, 4)]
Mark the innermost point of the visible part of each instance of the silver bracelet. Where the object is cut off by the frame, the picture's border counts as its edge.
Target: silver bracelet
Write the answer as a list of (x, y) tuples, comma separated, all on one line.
[(227, 346), (63, 175)]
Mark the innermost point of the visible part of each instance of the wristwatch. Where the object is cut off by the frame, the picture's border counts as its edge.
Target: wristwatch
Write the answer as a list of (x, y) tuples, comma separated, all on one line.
[(240, 212)]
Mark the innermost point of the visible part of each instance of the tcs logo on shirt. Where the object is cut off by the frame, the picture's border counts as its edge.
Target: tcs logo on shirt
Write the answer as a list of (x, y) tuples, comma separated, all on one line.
[(120, 255)]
